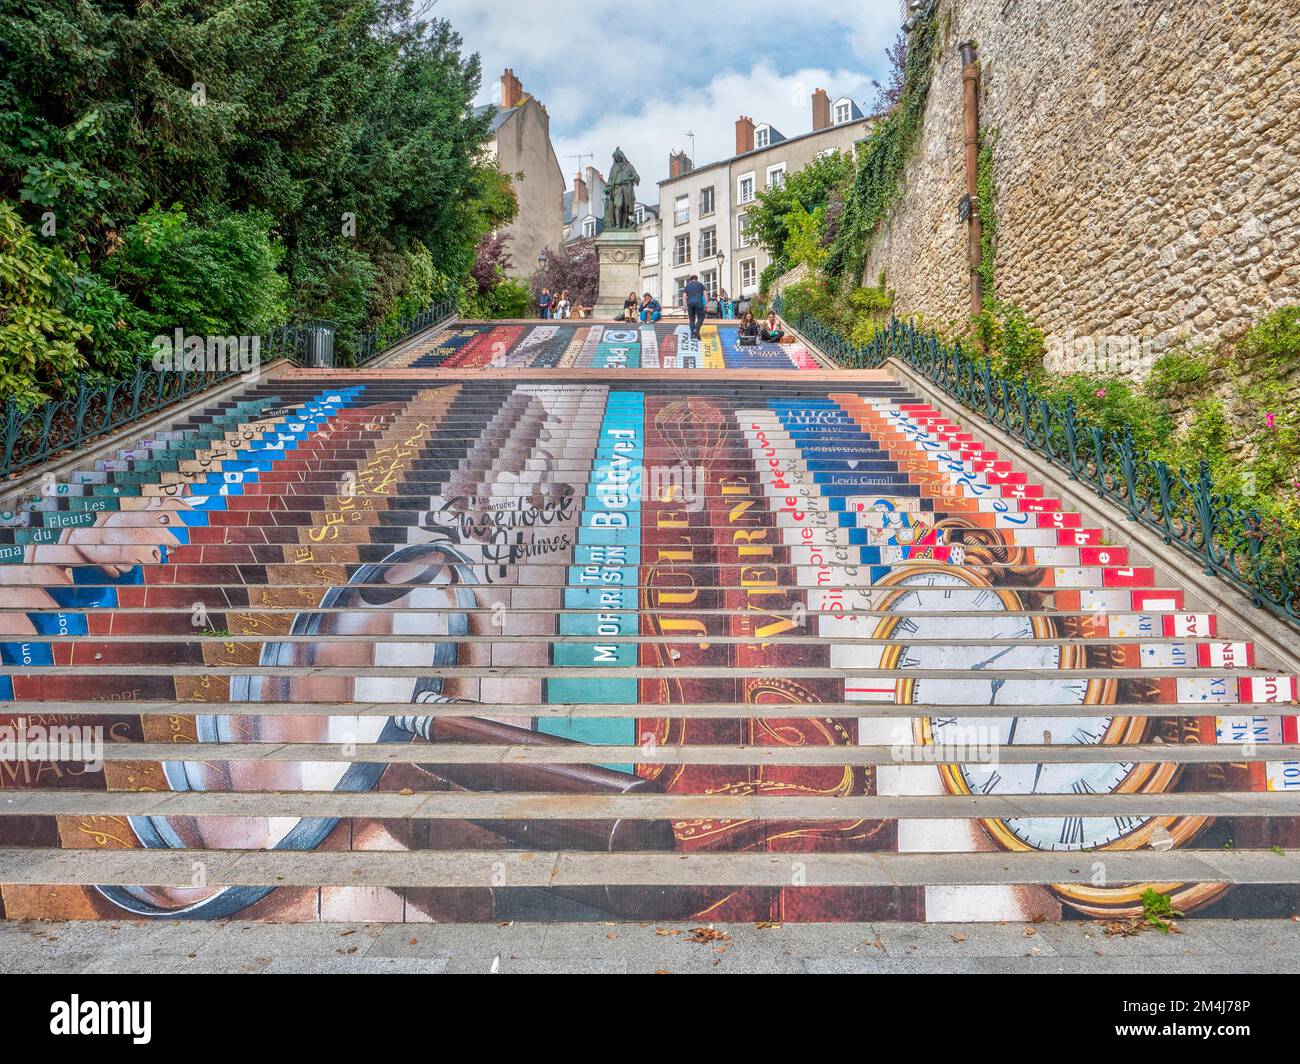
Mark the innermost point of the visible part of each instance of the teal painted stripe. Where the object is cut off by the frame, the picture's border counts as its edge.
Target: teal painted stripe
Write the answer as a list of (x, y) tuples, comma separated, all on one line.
[(603, 576)]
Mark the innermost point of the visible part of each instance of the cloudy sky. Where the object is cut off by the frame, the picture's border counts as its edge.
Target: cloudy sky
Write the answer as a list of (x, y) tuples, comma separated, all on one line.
[(640, 75)]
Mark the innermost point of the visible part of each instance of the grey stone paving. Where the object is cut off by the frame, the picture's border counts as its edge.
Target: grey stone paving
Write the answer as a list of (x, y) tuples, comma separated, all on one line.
[(1203, 946)]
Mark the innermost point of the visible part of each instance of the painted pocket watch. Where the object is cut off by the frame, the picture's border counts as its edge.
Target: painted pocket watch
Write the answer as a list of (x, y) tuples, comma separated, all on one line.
[(925, 601)]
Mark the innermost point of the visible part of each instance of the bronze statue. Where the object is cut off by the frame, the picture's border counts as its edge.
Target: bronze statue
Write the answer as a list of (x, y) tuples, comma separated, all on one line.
[(620, 193)]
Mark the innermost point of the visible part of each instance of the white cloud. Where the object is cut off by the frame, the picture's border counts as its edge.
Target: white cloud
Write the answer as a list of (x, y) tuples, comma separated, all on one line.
[(613, 73), (650, 132)]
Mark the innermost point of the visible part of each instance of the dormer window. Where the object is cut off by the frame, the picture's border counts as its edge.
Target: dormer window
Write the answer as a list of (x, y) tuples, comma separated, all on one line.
[(843, 112), (762, 137)]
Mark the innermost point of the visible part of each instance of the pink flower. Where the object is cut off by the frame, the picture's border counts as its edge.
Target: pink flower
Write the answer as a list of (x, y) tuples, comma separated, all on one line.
[(1268, 420), (1101, 393)]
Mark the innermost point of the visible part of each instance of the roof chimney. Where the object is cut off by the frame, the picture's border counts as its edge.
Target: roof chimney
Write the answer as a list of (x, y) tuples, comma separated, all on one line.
[(744, 134), (821, 109), (579, 188), (679, 163), (511, 90)]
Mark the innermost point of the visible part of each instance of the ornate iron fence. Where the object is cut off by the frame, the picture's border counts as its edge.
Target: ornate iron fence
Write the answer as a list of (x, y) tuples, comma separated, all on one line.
[(1230, 538), (32, 435), (369, 346)]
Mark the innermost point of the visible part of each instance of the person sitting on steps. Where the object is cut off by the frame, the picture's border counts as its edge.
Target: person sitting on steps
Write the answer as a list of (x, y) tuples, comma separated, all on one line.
[(631, 305), (748, 330), (650, 308), (772, 331)]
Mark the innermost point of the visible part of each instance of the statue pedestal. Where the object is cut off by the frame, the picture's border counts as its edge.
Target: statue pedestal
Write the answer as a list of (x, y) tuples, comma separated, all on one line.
[(618, 253)]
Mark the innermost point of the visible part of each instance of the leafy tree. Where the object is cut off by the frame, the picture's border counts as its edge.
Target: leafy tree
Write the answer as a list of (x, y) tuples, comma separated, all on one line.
[(329, 144), (38, 341), (802, 192), (491, 261), (573, 268)]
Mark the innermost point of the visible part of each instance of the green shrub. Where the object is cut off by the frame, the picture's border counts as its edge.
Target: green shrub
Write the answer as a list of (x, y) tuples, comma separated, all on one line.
[(216, 279), (1179, 371), (117, 341), (1275, 337), (508, 298), (38, 340), (1014, 343), (1111, 404)]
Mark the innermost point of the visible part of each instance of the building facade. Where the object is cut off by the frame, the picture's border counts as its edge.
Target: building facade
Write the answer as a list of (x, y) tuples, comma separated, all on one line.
[(703, 210), (648, 229), (584, 205), (521, 143)]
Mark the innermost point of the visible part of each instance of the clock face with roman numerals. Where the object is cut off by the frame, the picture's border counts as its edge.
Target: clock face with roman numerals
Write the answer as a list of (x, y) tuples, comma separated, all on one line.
[(1005, 672)]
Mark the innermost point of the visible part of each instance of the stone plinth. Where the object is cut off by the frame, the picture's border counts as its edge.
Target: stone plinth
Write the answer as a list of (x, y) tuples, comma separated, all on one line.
[(619, 255)]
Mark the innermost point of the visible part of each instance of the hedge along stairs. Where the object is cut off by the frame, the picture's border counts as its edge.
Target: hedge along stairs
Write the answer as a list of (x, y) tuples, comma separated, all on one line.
[(572, 621)]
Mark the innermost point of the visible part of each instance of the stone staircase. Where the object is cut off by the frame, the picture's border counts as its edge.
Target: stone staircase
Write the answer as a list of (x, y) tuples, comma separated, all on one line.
[(570, 621)]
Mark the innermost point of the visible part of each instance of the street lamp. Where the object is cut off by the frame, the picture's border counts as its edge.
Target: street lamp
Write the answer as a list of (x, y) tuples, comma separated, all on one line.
[(541, 259)]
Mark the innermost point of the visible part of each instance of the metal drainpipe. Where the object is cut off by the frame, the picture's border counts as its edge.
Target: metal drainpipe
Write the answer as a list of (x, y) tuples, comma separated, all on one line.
[(970, 76)]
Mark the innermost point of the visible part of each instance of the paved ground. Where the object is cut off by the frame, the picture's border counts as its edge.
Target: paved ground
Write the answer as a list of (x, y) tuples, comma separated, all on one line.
[(1203, 946)]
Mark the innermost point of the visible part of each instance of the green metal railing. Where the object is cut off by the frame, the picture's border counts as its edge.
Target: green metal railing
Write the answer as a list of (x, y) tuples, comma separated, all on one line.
[(1230, 538), (35, 434), (369, 346)]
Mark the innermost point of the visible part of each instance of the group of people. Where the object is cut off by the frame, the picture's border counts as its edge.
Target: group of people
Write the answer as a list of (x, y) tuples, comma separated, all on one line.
[(695, 297), (751, 332), (648, 309), (552, 306), (645, 309)]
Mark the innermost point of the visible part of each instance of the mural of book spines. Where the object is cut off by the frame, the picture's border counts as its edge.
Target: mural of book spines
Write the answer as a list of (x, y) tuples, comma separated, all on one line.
[(610, 346), (603, 576)]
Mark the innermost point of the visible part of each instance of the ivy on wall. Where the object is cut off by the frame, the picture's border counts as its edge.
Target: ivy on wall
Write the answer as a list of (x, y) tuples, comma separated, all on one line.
[(876, 185), (987, 216)]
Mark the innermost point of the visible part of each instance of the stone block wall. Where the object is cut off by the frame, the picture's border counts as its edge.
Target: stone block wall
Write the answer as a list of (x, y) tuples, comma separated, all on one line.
[(1146, 166)]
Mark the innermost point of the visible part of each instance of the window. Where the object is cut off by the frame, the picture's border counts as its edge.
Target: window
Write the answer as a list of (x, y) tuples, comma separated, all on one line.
[(640, 214), (681, 284), (843, 112), (682, 250), (682, 210), (708, 242), (745, 189), (706, 201), (742, 231), (650, 283), (776, 175), (651, 256), (748, 275), (709, 278), (589, 227), (761, 137)]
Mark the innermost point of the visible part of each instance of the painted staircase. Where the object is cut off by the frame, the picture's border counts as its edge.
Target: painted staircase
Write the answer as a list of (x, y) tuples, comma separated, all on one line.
[(575, 621)]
